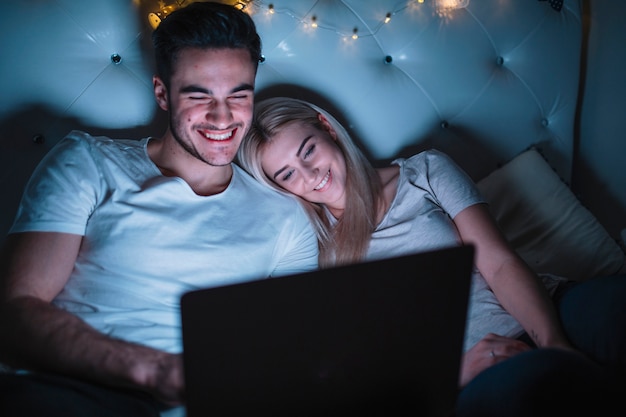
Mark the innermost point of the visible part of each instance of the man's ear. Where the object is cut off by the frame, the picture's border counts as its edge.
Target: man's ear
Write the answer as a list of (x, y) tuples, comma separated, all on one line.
[(327, 126), (160, 92)]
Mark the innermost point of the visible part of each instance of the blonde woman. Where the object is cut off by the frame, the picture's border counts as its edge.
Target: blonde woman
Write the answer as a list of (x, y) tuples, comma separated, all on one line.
[(422, 203)]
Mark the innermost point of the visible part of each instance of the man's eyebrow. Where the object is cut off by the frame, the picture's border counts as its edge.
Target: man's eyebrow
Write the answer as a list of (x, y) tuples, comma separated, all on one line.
[(243, 87), (197, 89), (194, 89), (277, 173)]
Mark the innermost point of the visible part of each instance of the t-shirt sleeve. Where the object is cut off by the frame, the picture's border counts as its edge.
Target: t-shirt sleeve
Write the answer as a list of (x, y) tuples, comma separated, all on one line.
[(447, 184), (61, 193), (299, 248)]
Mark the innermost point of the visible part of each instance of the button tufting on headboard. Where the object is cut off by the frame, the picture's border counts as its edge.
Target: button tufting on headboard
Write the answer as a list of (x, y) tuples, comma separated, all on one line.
[(482, 82), (393, 84), (489, 74)]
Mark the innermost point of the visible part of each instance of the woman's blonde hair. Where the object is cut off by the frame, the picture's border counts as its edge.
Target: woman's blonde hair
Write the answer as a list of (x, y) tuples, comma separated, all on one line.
[(348, 240)]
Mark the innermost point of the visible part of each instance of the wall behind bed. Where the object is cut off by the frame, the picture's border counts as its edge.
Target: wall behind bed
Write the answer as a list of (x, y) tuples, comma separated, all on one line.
[(59, 71), (599, 178)]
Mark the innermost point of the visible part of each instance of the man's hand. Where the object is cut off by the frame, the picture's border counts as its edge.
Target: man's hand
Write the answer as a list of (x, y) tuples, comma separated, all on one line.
[(166, 380)]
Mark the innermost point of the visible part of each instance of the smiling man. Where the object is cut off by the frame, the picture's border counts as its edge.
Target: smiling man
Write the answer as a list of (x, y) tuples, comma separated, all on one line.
[(110, 234)]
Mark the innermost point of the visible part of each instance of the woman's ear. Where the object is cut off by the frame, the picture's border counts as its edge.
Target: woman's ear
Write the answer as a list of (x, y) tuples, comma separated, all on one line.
[(327, 126), (160, 92)]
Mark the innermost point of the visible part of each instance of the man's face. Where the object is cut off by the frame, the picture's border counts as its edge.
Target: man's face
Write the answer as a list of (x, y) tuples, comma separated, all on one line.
[(210, 101)]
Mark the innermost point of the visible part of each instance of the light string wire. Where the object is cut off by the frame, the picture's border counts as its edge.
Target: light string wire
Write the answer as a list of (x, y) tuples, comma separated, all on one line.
[(314, 21), (257, 6), (441, 7)]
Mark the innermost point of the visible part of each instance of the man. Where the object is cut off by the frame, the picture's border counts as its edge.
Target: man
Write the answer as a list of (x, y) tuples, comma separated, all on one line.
[(110, 234)]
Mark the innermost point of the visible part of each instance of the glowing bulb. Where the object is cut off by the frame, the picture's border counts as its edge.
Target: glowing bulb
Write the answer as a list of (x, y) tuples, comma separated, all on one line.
[(158, 16), (451, 4), (354, 34), (314, 22), (388, 18), (271, 7)]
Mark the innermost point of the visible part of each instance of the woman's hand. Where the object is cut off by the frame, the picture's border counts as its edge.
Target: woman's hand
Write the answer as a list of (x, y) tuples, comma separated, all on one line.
[(489, 351)]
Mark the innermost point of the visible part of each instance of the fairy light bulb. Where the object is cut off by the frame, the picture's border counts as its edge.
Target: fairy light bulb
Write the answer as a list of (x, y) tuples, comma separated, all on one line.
[(313, 21)]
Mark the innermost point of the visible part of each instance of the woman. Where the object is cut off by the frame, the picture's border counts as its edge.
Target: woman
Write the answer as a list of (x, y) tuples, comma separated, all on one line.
[(422, 203)]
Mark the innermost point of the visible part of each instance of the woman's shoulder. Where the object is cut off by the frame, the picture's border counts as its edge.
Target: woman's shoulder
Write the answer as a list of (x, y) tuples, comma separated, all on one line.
[(388, 174), (423, 160)]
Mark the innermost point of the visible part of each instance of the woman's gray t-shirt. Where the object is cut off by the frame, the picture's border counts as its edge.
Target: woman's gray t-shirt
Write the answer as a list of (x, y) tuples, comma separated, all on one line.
[(432, 190)]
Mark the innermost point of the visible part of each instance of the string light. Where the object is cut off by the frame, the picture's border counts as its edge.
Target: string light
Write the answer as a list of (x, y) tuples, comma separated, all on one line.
[(156, 17), (313, 21), (442, 8), (450, 4)]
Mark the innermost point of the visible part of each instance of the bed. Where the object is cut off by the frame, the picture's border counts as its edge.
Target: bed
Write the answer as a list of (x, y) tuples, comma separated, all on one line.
[(493, 83)]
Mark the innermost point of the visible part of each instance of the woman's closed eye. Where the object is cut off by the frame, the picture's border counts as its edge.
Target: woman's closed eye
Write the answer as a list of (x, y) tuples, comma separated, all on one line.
[(308, 151), (287, 175)]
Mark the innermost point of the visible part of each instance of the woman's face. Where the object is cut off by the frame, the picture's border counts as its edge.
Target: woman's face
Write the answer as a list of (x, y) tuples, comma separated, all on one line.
[(307, 162)]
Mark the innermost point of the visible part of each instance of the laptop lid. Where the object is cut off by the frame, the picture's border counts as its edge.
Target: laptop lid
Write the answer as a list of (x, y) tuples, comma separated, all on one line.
[(382, 337)]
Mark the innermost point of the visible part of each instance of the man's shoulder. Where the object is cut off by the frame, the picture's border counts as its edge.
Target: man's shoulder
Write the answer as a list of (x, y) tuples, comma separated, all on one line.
[(94, 145), (79, 138)]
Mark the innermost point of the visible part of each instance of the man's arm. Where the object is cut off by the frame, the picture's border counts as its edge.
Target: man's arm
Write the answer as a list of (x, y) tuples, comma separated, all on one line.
[(39, 336)]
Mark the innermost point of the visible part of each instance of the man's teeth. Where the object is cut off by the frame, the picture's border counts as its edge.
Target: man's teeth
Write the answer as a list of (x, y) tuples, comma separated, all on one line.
[(222, 136), (323, 183)]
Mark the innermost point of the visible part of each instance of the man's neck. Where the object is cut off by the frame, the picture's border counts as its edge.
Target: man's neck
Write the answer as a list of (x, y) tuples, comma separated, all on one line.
[(204, 179)]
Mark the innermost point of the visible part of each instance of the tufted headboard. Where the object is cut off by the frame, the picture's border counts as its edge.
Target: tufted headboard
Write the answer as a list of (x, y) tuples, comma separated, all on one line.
[(482, 82)]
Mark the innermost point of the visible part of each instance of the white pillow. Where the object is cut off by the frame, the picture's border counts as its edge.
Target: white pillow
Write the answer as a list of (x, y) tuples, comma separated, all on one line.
[(545, 222)]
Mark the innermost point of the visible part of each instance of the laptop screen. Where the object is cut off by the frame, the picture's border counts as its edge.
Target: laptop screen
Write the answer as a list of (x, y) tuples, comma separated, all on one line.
[(378, 336)]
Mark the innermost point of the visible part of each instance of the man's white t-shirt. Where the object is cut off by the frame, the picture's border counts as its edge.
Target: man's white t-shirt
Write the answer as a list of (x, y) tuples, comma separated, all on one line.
[(148, 238)]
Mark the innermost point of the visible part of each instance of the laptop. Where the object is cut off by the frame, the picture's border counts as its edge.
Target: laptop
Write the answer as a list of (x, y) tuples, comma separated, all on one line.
[(377, 338)]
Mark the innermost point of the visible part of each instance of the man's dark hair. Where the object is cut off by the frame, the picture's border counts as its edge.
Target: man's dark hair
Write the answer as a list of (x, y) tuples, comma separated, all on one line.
[(203, 25)]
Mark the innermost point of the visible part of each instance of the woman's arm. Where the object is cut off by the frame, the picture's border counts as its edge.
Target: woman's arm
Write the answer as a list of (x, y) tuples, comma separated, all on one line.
[(514, 284)]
